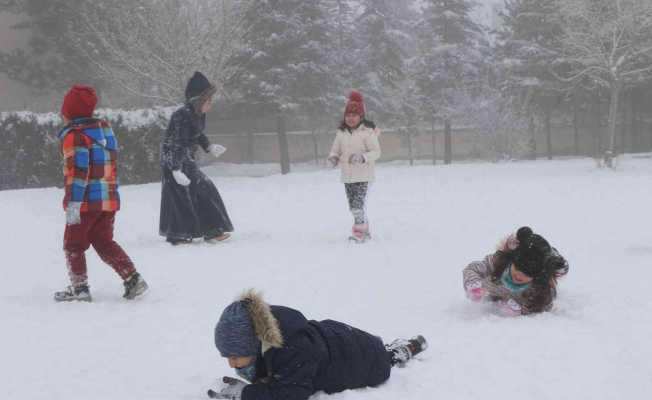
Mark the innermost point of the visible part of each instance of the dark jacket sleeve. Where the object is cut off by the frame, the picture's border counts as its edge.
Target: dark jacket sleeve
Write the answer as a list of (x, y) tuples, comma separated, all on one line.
[(201, 138), (293, 369), (175, 142), (203, 142)]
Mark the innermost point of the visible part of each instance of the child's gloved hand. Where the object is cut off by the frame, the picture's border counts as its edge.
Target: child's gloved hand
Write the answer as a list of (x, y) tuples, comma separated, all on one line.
[(180, 177), (475, 292), (510, 308), (216, 150), (509, 243), (73, 213), (231, 390), (356, 159), (333, 161)]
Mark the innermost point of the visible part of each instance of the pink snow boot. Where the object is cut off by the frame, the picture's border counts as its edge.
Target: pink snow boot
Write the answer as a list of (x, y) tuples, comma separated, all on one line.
[(360, 233)]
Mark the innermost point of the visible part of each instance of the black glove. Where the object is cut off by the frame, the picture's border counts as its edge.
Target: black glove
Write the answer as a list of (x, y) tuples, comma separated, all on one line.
[(231, 389)]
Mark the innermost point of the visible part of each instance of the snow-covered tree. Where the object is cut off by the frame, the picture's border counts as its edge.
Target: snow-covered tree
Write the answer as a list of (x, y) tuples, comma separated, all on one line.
[(528, 45), (450, 60), (381, 41), (284, 62), (609, 43), (340, 18), (499, 127), (49, 61)]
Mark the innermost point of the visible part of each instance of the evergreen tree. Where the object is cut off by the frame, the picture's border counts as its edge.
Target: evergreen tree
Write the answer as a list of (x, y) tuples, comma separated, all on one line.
[(449, 67), (529, 45), (341, 17), (50, 61), (379, 61), (285, 61)]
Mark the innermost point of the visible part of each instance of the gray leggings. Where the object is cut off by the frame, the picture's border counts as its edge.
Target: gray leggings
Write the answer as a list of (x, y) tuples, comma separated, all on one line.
[(356, 193)]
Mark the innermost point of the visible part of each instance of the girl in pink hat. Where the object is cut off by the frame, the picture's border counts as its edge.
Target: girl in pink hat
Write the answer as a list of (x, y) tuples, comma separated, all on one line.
[(355, 150)]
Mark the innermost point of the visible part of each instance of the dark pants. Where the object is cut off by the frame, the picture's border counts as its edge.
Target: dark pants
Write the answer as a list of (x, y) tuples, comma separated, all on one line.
[(356, 193), (95, 229)]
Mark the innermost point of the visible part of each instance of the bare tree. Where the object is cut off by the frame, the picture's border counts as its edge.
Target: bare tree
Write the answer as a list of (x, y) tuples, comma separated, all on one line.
[(149, 48), (607, 43)]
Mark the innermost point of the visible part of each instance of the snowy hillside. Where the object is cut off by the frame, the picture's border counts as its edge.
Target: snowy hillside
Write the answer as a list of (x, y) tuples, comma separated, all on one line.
[(428, 223)]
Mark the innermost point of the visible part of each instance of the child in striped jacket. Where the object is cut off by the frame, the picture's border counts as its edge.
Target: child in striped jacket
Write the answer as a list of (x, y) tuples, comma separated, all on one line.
[(520, 277), (91, 199)]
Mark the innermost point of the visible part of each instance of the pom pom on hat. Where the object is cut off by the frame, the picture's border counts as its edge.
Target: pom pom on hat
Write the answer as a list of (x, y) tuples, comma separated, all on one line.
[(355, 105)]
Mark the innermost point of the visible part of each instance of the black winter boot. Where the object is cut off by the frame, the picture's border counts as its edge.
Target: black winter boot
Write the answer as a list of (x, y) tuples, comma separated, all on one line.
[(135, 285), (404, 350)]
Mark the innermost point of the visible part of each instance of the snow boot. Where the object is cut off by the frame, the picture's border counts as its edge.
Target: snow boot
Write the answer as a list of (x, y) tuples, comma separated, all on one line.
[(135, 285), (404, 350), (74, 293), (221, 237), (360, 233)]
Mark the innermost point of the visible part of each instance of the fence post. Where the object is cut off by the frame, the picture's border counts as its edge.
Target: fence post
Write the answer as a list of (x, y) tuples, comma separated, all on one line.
[(250, 145), (408, 133), (283, 145), (448, 142)]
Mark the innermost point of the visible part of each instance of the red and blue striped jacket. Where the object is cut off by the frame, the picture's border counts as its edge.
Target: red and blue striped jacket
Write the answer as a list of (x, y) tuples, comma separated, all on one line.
[(90, 152)]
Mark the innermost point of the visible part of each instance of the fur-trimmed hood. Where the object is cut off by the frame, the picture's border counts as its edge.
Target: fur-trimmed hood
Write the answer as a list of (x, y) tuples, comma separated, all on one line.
[(265, 323), (249, 325)]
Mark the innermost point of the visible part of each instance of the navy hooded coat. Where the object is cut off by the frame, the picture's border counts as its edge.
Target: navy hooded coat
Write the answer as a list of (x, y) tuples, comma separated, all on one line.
[(300, 357)]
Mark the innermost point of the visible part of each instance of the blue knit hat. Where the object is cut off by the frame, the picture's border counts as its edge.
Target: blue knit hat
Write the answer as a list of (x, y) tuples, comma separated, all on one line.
[(234, 334)]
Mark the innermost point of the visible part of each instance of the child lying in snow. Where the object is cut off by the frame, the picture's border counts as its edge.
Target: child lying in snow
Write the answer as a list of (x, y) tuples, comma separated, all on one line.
[(287, 357), (521, 276)]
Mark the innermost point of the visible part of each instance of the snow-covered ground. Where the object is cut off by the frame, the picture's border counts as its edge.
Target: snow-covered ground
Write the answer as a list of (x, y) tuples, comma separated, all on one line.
[(428, 223)]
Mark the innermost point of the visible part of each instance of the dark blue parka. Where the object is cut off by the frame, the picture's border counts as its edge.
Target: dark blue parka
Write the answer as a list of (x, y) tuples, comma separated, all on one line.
[(317, 355)]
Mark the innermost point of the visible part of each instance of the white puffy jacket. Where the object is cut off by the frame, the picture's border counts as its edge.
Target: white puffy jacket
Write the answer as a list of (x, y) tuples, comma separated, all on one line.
[(362, 140)]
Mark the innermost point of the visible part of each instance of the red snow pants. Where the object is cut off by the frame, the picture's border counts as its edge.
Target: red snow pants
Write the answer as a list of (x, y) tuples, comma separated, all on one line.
[(96, 229)]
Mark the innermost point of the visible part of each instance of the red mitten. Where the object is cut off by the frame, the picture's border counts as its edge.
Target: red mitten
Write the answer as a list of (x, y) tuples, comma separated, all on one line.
[(475, 292)]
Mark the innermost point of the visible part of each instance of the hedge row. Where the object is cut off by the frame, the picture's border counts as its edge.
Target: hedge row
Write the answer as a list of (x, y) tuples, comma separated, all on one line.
[(30, 150)]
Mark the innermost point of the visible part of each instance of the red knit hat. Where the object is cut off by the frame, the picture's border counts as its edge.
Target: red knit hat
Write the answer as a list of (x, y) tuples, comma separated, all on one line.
[(355, 104), (79, 102)]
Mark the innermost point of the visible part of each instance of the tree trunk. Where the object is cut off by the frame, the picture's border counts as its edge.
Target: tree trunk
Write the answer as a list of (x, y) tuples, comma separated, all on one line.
[(315, 145), (625, 143), (283, 145), (597, 134), (548, 117), (408, 136), (434, 144), (533, 139), (633, 126), (448, 142), (613, 118)]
